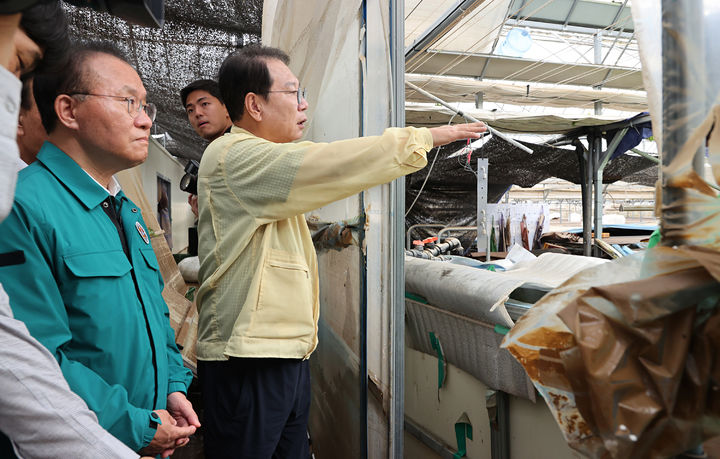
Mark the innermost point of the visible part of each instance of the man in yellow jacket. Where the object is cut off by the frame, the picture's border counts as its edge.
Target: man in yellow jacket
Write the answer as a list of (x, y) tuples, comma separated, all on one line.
[(258, 298)]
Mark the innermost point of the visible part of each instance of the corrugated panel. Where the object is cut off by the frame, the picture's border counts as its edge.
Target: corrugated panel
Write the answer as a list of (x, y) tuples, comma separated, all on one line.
[(468, 344), (528, 70)]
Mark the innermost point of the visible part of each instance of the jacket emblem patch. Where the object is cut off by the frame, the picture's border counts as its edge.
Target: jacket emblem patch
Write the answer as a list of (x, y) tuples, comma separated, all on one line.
[(142, 232)]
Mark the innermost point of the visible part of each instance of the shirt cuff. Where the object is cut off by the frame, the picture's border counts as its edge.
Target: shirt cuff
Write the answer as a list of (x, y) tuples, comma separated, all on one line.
[(177, 387), (148, 430)]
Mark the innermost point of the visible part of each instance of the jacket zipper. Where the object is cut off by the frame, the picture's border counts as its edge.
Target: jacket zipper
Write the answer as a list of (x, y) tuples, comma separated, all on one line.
[(113, 213)]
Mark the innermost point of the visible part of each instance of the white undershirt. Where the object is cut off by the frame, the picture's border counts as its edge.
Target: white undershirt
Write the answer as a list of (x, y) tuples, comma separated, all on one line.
[(113, 187)]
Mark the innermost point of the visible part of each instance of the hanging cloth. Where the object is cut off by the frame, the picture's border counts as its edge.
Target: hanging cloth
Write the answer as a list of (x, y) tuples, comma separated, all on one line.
[(538, 232), (501, 234), (524, 233), (493, 241), (508, 236)]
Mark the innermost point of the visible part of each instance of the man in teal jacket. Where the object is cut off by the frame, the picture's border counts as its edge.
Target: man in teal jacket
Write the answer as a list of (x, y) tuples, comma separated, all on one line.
[(90, 287)]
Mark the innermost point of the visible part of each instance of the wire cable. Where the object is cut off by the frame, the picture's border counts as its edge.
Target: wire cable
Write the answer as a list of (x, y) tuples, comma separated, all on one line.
[(422, 187)]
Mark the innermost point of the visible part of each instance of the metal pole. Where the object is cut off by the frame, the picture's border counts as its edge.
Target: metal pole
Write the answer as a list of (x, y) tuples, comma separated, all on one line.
[(483, 231), (490, 130), (601, 160), (581, 153), (397, 254), (684, 106), (587, 204), (598, 60), (597, 185)]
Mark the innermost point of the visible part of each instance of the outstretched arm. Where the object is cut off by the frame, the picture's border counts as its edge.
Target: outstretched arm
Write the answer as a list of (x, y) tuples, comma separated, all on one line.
[(445, 134)]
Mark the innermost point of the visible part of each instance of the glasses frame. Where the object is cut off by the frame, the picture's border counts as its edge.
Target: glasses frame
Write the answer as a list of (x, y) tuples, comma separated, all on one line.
[(299, 91), (129, 100)]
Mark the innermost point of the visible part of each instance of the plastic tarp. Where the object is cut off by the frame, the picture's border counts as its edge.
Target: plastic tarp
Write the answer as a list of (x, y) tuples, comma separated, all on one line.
[(429, 116), (457, 89), (465, 304), (646, 17)]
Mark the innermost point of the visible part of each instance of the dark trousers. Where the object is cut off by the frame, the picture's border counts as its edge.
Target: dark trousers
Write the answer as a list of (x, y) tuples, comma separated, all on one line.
[(255, 408)]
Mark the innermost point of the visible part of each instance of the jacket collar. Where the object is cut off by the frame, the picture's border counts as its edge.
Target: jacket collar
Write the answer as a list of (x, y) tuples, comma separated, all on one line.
[(89, 192)]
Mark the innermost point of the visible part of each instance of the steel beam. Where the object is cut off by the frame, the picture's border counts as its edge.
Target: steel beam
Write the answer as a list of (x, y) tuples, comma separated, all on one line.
[(601, 160), (570, 12), (587, 193), (439, 27), (597, 187), (491, 130), (397, 254), (542, 25)]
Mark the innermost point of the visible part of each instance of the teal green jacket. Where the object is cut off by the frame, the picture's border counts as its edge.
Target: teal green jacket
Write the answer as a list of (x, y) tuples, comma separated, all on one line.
[(98, 311)]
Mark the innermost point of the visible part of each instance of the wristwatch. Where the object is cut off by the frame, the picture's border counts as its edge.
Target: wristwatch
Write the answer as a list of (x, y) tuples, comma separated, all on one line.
[(155, 420)]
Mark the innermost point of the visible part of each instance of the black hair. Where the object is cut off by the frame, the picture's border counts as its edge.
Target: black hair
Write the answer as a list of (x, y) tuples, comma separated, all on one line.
[(75, 78), (45, 23), (246, 71), (25, 94), (210, 86)]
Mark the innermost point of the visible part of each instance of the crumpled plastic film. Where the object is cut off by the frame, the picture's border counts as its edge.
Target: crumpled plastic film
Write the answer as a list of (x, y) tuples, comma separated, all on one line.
[(700, 207), (623, 353)]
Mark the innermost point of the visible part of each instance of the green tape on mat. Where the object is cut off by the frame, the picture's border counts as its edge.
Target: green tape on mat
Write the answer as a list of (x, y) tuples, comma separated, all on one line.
[(462, 430), (414, 297), (437, 347), (501, 330)]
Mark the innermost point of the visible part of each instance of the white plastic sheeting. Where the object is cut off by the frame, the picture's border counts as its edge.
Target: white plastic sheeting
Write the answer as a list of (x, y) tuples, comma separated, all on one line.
[(646, 16), (457, 89), (339, 50), (424, 115)]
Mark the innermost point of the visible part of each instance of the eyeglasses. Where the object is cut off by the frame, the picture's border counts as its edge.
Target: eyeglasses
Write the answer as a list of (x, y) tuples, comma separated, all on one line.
[(133, 105), (300, 93)]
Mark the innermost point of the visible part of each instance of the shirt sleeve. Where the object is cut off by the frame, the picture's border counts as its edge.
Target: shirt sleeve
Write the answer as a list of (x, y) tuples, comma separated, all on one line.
[(36, 300), (39, 412), (179, 376), (9, 154), (277, 181)]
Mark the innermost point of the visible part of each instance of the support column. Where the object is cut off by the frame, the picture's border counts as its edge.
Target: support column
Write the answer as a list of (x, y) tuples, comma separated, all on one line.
[(479, 100), (483, 226), (598, 60), (587, 197), (397, 256), (581, 153), (597, 186)]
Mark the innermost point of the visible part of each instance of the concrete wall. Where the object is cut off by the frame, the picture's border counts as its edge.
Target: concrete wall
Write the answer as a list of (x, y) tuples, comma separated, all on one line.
[(533, 432), (163, 164)]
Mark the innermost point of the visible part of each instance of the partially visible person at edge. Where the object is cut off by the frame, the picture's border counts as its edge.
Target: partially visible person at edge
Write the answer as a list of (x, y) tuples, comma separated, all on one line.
[(206, 114), (30, 132), (258, 298), (40, 414), (90, 288)]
